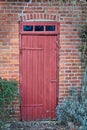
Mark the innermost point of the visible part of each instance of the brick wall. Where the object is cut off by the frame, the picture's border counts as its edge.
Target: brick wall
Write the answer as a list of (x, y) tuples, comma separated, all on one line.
[(70, 18)]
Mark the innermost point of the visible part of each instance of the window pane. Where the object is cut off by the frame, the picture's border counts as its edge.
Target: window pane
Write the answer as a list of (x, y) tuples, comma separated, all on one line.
[(50, 28), (39, 28), (27, 28)]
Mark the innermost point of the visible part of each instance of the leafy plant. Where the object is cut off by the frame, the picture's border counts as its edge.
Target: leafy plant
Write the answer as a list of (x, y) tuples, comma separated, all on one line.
[(74, 108), (8, 94)]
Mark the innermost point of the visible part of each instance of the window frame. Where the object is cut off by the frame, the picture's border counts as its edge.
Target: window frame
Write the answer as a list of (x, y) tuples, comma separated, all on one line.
[(56, 24)]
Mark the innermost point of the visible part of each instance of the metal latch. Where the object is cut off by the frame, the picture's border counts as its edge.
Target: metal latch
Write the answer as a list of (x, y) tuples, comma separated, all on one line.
[(53, 80)]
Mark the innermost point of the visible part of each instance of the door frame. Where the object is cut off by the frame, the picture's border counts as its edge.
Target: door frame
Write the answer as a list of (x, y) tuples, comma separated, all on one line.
[(57, 32)]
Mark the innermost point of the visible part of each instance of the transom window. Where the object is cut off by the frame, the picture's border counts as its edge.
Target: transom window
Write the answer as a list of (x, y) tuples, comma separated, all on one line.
[(39, 28)]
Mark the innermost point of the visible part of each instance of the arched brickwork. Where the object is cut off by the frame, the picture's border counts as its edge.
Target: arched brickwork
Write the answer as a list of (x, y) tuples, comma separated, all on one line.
[(38, 16)]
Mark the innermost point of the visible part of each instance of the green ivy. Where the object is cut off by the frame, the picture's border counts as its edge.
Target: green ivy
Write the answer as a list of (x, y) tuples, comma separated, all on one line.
[(8, 94), (83, 47)]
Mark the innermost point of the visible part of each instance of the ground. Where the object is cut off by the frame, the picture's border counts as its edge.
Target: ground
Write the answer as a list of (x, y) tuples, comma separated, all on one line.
[(36, 125)]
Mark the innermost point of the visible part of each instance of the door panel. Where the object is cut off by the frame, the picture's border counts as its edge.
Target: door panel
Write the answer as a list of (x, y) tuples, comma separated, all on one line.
[(38, 76)]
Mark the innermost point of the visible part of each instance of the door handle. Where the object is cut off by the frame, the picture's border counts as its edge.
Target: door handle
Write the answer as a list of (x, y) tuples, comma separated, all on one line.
[(53, 80)]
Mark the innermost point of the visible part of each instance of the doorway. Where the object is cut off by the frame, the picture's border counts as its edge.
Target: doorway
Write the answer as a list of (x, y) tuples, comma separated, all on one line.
[(38, 70)]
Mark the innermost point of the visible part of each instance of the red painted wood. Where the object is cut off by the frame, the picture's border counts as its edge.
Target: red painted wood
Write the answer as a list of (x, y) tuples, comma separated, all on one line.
[(38, 76)]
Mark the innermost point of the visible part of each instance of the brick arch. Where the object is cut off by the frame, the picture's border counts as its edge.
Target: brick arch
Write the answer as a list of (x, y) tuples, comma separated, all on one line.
[(38, 16)]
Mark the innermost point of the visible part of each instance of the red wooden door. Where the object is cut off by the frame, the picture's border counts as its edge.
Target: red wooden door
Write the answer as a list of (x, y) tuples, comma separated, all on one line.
[(38, 72)]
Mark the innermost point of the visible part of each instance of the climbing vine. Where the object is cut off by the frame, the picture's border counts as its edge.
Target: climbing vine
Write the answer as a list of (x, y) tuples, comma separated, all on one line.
[(83, 48)]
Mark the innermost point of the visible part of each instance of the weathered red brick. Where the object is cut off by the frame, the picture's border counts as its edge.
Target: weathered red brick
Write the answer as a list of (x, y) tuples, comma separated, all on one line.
[(69, 72)]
